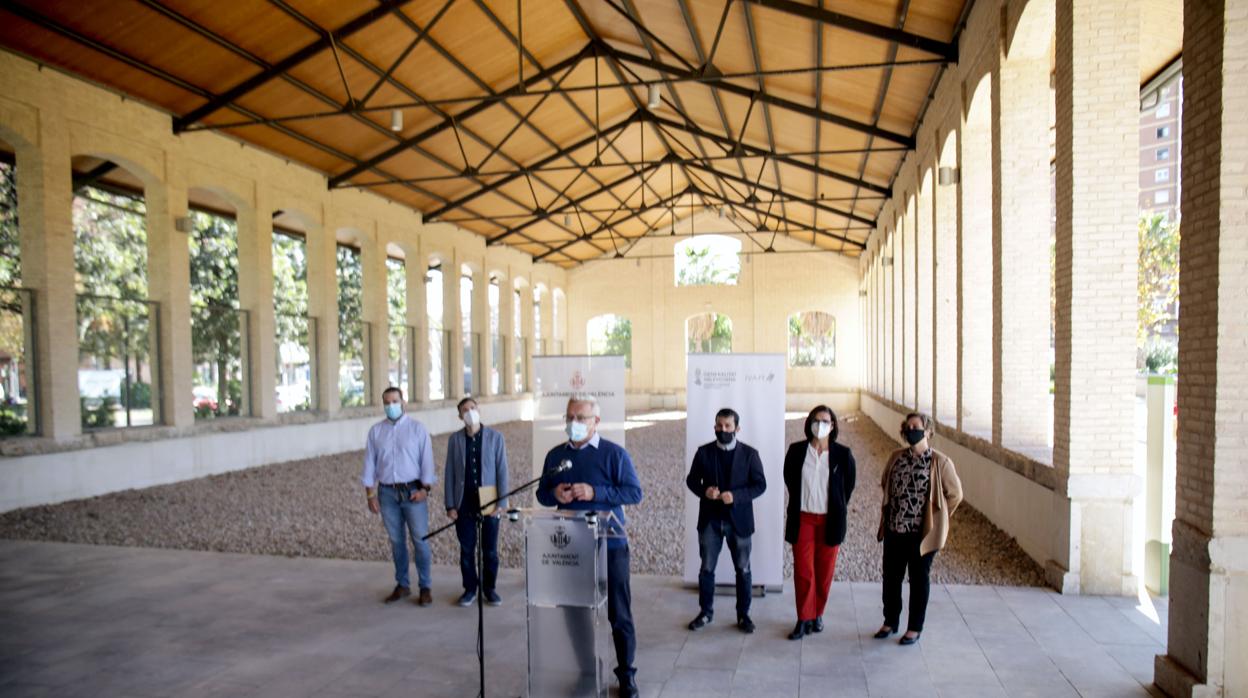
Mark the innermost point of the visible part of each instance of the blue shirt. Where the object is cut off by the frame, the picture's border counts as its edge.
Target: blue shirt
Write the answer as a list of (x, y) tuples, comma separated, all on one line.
[(398, 452), (601, 464)]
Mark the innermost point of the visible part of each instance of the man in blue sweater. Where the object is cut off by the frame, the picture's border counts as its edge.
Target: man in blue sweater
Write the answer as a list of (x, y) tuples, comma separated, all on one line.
[(602, 478)]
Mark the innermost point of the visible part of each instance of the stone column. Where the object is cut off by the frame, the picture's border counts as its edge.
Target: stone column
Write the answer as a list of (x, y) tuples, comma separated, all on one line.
[(255, 295), (1098, 47), (526, 334), (453, 322), (1208, 633), (322, 272), (376, 308), (1020, 234), (169, 284), (46, 230), (481, 298), (506, 331)]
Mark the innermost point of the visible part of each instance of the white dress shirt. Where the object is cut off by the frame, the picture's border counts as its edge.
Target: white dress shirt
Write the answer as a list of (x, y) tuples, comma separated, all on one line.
[(815, 482), (398, 452)]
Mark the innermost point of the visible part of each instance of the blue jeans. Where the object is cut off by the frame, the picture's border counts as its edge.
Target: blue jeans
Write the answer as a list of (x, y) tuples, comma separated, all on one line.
[(397, 510), (710, 543), (466, 531)]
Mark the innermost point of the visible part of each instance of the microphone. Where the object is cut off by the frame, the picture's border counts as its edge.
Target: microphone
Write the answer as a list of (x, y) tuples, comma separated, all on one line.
[(564, 465)]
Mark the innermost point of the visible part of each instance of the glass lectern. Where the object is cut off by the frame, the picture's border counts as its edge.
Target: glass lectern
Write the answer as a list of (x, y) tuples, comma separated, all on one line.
[(566, 583)]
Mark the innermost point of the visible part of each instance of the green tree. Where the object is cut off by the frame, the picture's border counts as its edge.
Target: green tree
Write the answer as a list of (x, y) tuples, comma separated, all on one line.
[(350, 325), (707, 261), (215, 323), (1158, 292), (619, 340), (10, 256)]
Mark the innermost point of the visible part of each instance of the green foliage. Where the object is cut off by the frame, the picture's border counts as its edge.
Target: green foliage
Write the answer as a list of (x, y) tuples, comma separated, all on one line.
[(718, 340), (110, 261), (12, 420), (138, 397), (350, 303), (1158, 275), (1161, 357), (612, 335), (97, 415), (708, 260), (10, 259), (216, 326), (812, 339), (396, 296)]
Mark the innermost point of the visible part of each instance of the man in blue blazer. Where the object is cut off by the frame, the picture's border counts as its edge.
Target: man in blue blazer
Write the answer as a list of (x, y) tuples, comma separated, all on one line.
[(476, 457), (726, 477)]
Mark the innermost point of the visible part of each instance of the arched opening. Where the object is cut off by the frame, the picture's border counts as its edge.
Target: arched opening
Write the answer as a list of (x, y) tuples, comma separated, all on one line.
[(295, 329), (812, 339), (558, 301), (353, 331), (909, 305), (218, 325), (401, 349), (496, 337), (118, 324), (925, 260), (610, 335), (976, 264), (519, 352), (708, 333), (472, 341), (17, 377), (539, 340), (708, 260), (439, 335)]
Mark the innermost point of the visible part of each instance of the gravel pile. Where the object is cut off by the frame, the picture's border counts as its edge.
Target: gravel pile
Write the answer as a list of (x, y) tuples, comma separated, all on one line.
[(315, 508)]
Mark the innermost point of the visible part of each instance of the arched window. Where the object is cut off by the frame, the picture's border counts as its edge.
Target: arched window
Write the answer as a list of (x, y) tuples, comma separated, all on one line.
[(295, 332), (708, 333), (610, 335), (219, 378), (401, 348), (496, 338), (708, 260), (812, 339), (439, 339), (352, 347)]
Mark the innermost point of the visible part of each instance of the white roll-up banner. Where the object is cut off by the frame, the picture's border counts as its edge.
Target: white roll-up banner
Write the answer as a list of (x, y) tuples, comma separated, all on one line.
[(753, 385), (556, 378)]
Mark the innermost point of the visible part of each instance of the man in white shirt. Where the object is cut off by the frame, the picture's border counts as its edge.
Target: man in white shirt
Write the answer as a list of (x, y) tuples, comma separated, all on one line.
[(398, 474)]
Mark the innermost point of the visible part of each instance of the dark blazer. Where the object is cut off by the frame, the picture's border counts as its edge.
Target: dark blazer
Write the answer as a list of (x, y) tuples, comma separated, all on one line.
[(841, 478), (746, 483)]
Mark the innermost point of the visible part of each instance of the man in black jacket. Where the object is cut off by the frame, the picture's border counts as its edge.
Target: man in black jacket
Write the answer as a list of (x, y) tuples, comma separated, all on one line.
[(726, 476)]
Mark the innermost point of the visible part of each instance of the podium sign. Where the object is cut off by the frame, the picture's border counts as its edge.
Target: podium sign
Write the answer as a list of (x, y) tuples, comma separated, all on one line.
[(566, 582)]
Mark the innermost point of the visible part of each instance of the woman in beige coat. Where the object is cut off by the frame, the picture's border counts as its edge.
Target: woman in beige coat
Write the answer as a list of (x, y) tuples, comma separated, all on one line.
[(921, 491)]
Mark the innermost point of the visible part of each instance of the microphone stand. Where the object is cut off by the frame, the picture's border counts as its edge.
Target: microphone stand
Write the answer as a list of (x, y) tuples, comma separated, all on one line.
[(480, 524)]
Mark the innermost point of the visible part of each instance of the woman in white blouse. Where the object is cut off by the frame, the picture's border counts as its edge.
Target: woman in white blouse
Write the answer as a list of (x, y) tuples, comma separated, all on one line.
[(819, 475)]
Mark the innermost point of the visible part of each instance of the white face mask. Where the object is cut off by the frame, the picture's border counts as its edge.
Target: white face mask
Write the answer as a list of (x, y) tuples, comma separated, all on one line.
[(472, 418), (577, 431), (822, 429)]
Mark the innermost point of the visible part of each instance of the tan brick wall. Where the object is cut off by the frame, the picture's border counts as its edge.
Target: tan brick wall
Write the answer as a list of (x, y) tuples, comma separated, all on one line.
[(946, 284), (975, 297)]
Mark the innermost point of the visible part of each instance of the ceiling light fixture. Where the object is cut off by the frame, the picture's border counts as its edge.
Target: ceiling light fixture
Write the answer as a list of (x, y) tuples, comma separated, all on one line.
[(396, 120), (656, 99)]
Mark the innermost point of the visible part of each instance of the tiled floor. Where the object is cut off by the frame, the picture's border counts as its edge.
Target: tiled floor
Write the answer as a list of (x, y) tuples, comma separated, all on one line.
[(86, 620)]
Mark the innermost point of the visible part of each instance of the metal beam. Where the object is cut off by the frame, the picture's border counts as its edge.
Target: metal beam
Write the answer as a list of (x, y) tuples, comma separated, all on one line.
[(786, 221), (945, 50), (789, 105), (588, 237), (325, 41), (543, 215), (516, 90), (780, 195), (727, 144)]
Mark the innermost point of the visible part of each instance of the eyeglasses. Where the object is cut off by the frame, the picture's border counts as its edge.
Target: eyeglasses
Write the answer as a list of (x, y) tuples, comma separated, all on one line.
[(582, 418)]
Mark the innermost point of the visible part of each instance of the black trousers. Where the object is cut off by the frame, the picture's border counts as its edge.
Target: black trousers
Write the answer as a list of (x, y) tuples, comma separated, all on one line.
[(620, 611), (466, 531), (710, 543), (901, 553)]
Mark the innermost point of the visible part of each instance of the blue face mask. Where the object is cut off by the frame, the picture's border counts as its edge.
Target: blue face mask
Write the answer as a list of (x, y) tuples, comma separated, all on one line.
[(576, 431), (394, 410)]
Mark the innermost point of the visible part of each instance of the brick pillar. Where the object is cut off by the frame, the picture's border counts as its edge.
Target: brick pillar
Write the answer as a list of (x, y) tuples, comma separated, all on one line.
[(169, 283), (925, 268), (506, 326), (418, 318), (1208, 637), (945, 314), (1021, 416), (975, 266), (1097, 182), (322, 251), (376, 309), (526, 337), (46, 230), (255, 295)]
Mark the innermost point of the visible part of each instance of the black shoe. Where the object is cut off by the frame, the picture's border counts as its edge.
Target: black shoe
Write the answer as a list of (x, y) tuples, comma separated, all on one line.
[(816, 625), (909, 640), (800, 630), (398, 593), (745, 625), (703, 620), (884, 632), (467, 598), (628, 688), (493, 599)]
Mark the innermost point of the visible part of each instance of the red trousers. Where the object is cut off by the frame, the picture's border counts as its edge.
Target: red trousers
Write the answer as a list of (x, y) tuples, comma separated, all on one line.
[(814, 563)]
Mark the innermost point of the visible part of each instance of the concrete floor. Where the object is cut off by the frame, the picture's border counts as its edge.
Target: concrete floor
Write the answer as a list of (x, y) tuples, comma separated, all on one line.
[(97, 620)]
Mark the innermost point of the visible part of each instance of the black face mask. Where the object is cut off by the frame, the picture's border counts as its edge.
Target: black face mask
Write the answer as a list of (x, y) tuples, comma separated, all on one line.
[(725, 437), (913, 436)]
